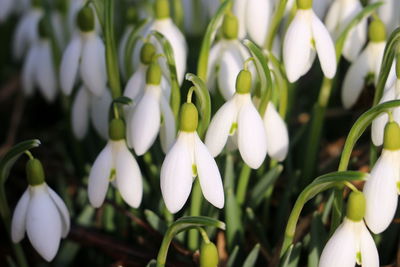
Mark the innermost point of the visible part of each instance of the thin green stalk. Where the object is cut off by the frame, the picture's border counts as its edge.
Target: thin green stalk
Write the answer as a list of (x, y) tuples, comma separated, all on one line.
[(178, 13), (195, 210), (276, 20), (243, 184)]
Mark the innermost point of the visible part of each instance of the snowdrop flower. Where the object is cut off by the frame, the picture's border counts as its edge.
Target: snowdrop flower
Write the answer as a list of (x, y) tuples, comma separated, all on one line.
[(85, 53), (276, 133), (131, 20), (306, 33), (389, 13), (38, 69), (41, 213), (195, 16), (382, 188), (6, 7), (339, 16), (254, 18), (366, 66), (186, 159), (115, 163), (351, 243), (226, 59), (26, 32), (321, 7), (239, 116), (145, 122)]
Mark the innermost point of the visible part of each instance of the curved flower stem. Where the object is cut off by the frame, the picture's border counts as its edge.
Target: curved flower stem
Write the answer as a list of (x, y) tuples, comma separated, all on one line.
[(243, 184), (195, 210), (276, 20)]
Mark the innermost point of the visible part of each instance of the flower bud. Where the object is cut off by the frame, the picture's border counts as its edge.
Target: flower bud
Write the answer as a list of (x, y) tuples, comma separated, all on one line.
[(43, 29), (85, 19), (153, 74), (34, 172), (230, 26), (391, 139), (356, 206), (161, 9), (116, 129), (377, 31), (208, 255), (147, 53), (304, 4), (189, 118), (243, 82)]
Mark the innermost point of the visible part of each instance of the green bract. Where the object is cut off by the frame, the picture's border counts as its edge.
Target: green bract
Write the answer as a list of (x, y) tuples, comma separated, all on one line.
[(147, 53), (208, 255), (230, 26), (304, 4), (189, 118), (377, 31), (391, 139), (243, 82), (161, 9), (34, 172), (153, 74), (356, 206), (116, 129), (85, 19)]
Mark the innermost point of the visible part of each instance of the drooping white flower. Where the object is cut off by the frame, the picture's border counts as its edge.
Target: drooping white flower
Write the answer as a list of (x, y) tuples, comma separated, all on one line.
[(367, 65), (239, 116), (195, 16), (115, 163), (382, 188), (389, 14), (276, 133), (306, 37), (41, 213), (145, 122), (226, 59), (85, 53), (186, 159), (39, 70), (339, 16), (351, 243)]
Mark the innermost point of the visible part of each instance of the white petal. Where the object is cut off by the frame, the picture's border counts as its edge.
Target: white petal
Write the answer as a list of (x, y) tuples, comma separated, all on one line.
[(231, 63), (121, 48), (44, 224), (380, 191), (28, 71), (45, 73), (6, 9), (62, 209), (355, 41), (176, 174), (135, 87), (92, 69), (208, 173), (145, 122), (252, 140), (128, 177), (219, 128), (239, 9), (341, 248), (80, 114), (354, 80), (324, 46), (297, 45), (99, 176), (18, 222), (213, 60), (277, 134), (258, 15), (378, 125), (69, 65), (99, 109), (168, 126), (26, 32), (369, 253), (332, 17)]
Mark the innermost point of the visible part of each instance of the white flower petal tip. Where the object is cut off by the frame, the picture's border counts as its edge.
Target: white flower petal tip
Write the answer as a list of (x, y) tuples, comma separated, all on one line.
[(277, 134), (43, 215), (70, 65)]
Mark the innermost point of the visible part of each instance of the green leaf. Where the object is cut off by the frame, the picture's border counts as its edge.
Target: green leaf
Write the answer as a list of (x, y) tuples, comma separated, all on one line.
[(152, 263), (252, 257), (292, 256), (319, 185), (203, 95), (123, 100), (257, 228), (99, 7), (232, 257), (175, 90), (318, 238), (155, 221), (209, 36), (234, 225), (258, 192), (264, 74)]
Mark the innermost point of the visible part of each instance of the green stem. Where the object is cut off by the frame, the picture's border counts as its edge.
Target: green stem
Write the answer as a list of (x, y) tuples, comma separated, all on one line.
[(111, 52), (178, 13), (276, 20), (243, 183), (195, 210)]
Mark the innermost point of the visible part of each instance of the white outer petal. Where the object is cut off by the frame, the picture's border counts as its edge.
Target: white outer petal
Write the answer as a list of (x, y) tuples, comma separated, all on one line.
[(70, 64), (44, 226), (258, 16), (176, 173), (220, 125), (213, 61), (18, 222), (369, 252), (277, 133), (380, 191), (45, 73), (252, 140), (6, 9), (99, 111), (208, 174), (332, 17), (297, 45), (26, 32), (99, 176), (62, 209), (80, 113), (93, 68), (128, 176), (168, 126), (29, 70), (135, 87), (378, 124), (239, 9), (341, 247), (324, 46)]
